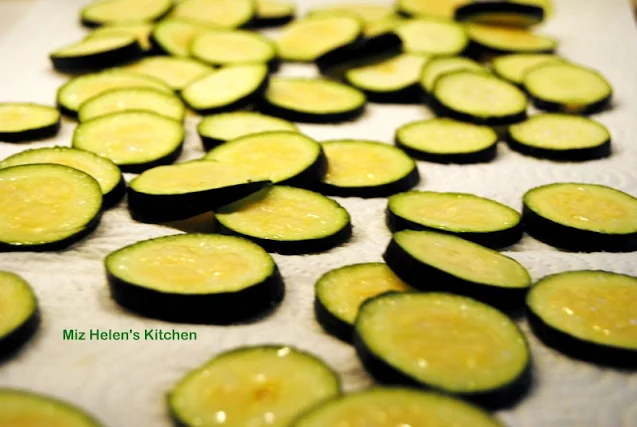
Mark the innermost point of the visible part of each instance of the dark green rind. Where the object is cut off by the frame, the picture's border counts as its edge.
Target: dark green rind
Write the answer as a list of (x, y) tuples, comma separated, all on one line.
[(98, 61), (466, 12), (332, 324), (271, 109), (311, 177), (482, 52), (168, 159), (260, 23), (444, 111), (37, 134), (585, 109), (411, 94), (11, 343), (405, 183), (570, 155), (242, 103), (482, 156), (116, 195)]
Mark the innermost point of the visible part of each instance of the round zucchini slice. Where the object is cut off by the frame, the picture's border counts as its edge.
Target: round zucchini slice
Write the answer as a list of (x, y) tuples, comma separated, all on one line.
[(173, 36), (20, 316), (282, 157), (515, 66), (588, 315), (461, 95), (252, 386), (176, 72), (133, 140), (118, 11), (358, 168), (581, 217), (46, 207), (501, 13), (489, 40), (393, 406), (195, 278), (94, 54), (273, 13), (445, 342), (443, 140), (341, 292), (473, 218), (288, 220), (430, 8), (216, 13), (20, 122), (221, 48), (433, 37), (302, 99), (18, 406), (104, 171), (561, 137), (219, 128), (567, 88), (452, 264), (141, 31), (439, 66)]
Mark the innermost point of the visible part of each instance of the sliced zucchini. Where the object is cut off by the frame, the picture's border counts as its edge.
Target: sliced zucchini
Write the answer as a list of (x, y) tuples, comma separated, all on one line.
[(95, 54), (302, 99), (133, 140), (104, 171), (560, 137), (140, 30), (176, 72), (430, 36), (366, 12), (219, 128), (122, 11), (359, 168), (473, 218), (216, 13), (374, 28), (287, 220), (283, 157), (567, 88), (515, 66), (19, 315), (132, 99), (46, 207), (461, 95), (273, 13), (233, 47), (20, 122), (445, 342), (581, 217), (439, 66), (341, 292), (443, 140), (430, 8), (452, 264), (501, 13), (173, 36), (587, 314), (489, 40), (195, 278), (252, 386), (230, 88)]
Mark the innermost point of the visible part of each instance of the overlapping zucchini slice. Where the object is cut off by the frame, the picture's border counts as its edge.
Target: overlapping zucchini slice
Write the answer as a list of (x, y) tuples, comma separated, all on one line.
[(219, 128), (175, 71), (429, 36)]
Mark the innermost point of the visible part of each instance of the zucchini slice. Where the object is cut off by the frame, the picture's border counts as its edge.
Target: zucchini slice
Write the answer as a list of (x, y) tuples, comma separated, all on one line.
[(79, 89), (374, 28), (515, 66), (461, 95), (430, 8), (430, 36), (562, 137), (20, 316), (174, 71), (365, 12), (46, 207), (301, 99), (16, 406), (444, 342), (488, 40), (273, 13), (587, 314), (133, 140), (439, 66), (501, 13), (567, 88), (173, 37), (270, 385), (233, 47), (443, 140), (393, 406), (471, 217), (288, 220), (358, 168), (341, 292), (282, 157), (195, 278), (141, 31), (118, 11), (104, 171), (452, 264), (219, 128), (581, 217), (230, 88), (20, 122), (95, 54), (216, 13)]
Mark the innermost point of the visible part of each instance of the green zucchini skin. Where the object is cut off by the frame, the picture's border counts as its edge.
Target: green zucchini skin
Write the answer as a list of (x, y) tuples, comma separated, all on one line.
[(443, 111), (588, 109), (481, 52), (311, 177), (482, 156), (98, 61), (468, 11), (411, 94), (259, 23), (36, 134), (116, 195), (298, 116), (11, 343), (239, 104), (332, 324), (571, 155), (367, 192)]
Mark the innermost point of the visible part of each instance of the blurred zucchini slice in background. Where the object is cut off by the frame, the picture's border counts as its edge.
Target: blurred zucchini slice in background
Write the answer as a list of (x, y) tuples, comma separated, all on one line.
[(429, 36), (22, 122), (216, 13), (124, 11), (177, 72)]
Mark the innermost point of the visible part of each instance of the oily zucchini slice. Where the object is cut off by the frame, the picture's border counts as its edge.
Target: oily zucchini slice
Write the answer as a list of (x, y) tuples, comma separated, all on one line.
[(581, 217), (20, 122), (430, 36), (515, 66), (141, 31), (587, 314), (341, 292), (287, 220), (501, 13), (221, 48), (177, 72), (568, 88), (230, 88), (452, 264), (445, 342), (489, 40), (439, 66), (268, 385), (133, 140), (195, 278), (20, 316), (216, 13), (430, 8), (443, 140), (471, 217), (282, 157), (273, 13), (123, 11), (173, 36), (46, 207), (461, 95), (562, 137), (219, 128), (104, 171), (301, 99), (95, 54), (359, 168)]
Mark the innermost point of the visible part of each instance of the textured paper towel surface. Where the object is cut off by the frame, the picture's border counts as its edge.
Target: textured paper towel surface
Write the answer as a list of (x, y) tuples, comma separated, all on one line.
[(124, 383)]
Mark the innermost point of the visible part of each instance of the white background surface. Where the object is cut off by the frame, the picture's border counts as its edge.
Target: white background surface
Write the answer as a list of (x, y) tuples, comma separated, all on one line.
[(124, 383)]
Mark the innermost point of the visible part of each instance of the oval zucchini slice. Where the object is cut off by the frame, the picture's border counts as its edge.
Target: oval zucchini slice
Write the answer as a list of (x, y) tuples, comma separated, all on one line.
[(132, 99), (430, 8), (489, 40), (20, 122), (501, 13), (269, 386), (515, 66), (439, 66), (141, 31), (173, 36), (221, 48), (176, 72), (433, 37), (20, 315), (366, 12), (94, 54), (581, 217), (119, 11), (46, 207), (216, 13), (273, 13)]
